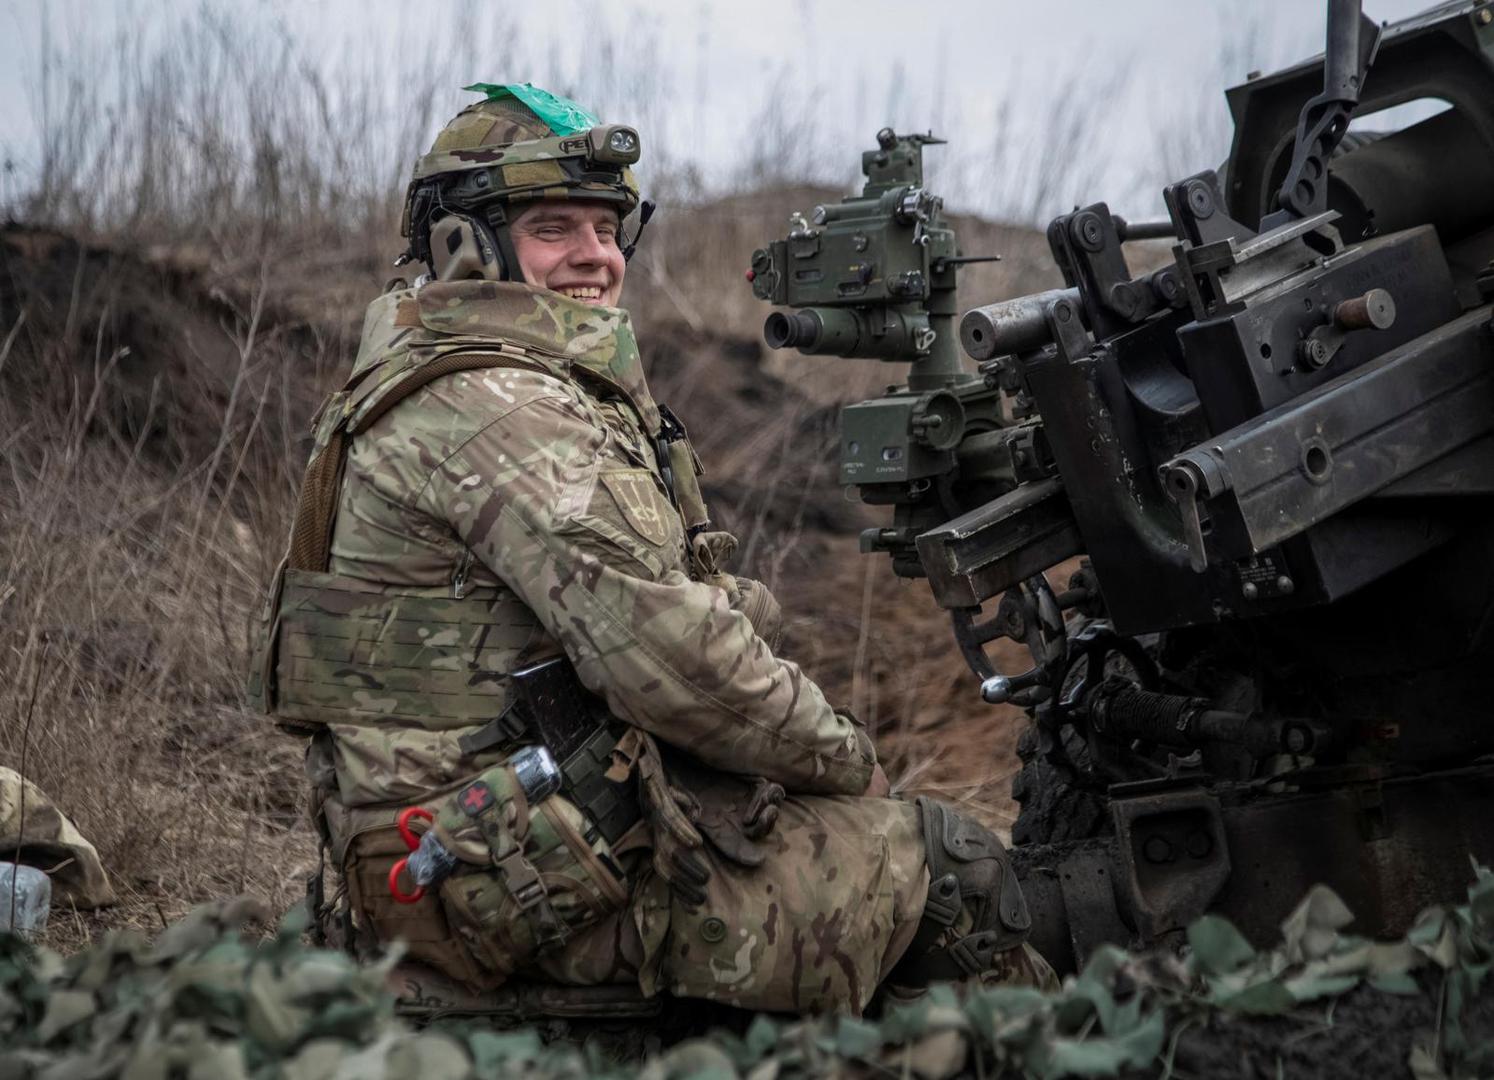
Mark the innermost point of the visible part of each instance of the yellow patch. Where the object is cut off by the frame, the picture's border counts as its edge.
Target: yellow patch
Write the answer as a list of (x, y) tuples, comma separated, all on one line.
[(533, 174), (640, 501)]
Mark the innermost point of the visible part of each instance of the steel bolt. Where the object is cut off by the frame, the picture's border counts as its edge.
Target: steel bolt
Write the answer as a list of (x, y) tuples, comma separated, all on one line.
[(1200, 199), (1314, 353), (1124, 299), (1250, 590), (1199, 844), (1285, 585), (1166, 286), (1486, 16), (1158, 849), (1088, 231)]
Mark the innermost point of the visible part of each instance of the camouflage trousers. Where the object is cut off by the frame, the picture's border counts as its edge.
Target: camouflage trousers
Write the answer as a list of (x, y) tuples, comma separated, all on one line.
[(816, 928)]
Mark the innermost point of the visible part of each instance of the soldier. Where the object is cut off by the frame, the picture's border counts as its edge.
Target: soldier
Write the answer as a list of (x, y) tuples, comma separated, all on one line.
[(495, 508)]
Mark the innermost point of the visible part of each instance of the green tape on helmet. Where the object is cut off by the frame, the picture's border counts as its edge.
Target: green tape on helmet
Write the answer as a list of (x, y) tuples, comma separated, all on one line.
[(564, 116)]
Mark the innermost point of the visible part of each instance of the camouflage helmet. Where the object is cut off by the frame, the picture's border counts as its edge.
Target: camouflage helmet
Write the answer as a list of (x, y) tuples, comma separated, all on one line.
[(519, 145)]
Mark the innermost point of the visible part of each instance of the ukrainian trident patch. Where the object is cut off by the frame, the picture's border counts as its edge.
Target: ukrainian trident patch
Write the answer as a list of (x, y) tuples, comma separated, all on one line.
[(637, 495)]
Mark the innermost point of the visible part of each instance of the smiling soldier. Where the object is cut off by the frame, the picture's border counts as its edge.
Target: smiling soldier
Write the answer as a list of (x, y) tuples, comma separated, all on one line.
[(504, 617)]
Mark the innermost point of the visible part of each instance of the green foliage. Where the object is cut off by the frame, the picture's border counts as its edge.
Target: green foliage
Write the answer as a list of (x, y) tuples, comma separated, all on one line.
[(203, 1001)]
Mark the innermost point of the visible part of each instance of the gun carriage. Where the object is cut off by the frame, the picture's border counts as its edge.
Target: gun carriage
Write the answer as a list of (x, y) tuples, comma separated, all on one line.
[(1274, 458)]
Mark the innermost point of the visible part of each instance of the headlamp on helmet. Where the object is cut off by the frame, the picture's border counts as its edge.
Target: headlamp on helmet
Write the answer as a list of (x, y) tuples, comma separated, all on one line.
[(615, 144)]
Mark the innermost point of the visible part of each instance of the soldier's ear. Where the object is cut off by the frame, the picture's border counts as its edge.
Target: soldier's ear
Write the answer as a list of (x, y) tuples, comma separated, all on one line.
[(462, 249)]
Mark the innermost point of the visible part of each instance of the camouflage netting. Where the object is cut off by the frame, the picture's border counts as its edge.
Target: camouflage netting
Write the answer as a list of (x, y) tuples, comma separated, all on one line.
[(203, 1001)]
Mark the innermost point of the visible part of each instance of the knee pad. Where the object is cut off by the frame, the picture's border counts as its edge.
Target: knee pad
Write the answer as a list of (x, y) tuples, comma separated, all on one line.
[(975, 907)]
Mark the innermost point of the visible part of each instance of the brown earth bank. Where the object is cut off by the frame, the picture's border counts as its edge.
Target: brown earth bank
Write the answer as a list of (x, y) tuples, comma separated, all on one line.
[(154, 402)]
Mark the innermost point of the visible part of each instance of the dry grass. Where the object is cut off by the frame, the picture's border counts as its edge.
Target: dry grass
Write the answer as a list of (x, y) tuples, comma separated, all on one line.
[(147, 471)]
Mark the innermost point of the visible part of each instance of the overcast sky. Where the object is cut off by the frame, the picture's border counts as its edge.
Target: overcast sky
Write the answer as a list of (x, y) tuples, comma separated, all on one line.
[(1131, 91)]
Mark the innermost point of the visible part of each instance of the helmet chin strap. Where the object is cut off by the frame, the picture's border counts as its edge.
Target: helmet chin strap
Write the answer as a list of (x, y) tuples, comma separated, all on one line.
[(498, 229)]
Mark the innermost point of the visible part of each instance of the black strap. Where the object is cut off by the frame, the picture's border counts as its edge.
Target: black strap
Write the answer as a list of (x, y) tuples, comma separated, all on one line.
[(506, 728), (551, 707), (670, 431)]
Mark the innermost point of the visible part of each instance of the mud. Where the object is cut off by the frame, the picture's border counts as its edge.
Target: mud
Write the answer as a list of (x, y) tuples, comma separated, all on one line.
[(1362, 1035)]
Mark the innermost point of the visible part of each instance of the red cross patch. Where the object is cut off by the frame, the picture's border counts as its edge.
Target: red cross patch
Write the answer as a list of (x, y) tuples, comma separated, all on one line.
[(476, 798)]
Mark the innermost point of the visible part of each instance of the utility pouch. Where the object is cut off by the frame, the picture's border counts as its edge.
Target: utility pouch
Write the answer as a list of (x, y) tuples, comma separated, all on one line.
[(350, 650), (532, 874), (427, 927)]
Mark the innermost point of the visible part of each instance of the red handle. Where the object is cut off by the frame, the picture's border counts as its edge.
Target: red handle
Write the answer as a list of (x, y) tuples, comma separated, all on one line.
[(401, 897), (412, 842)]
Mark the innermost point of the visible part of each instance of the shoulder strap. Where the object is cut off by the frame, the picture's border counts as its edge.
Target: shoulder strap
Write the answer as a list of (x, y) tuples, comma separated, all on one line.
[(407, 384), (316, 508)]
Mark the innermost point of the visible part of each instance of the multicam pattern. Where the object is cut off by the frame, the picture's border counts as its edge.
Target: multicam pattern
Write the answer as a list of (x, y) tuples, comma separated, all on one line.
[(527, 494), (812, 928), (490, 123), (506, 476)]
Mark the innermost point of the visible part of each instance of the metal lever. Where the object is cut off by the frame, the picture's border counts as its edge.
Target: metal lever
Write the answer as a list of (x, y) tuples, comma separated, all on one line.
[(1350, 50), (1028, 613), (1182, 483), (997, 690), (943, 261), (1375, 310)]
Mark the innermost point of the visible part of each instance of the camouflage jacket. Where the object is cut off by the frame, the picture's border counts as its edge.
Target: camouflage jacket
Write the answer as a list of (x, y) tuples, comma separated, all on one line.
[(531, 487)]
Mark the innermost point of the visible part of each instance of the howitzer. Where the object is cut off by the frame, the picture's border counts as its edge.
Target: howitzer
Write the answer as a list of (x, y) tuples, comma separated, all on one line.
[(1275, 456)]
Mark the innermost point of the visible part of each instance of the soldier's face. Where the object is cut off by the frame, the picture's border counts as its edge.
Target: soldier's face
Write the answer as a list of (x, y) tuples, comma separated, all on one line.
[(572, 248)]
